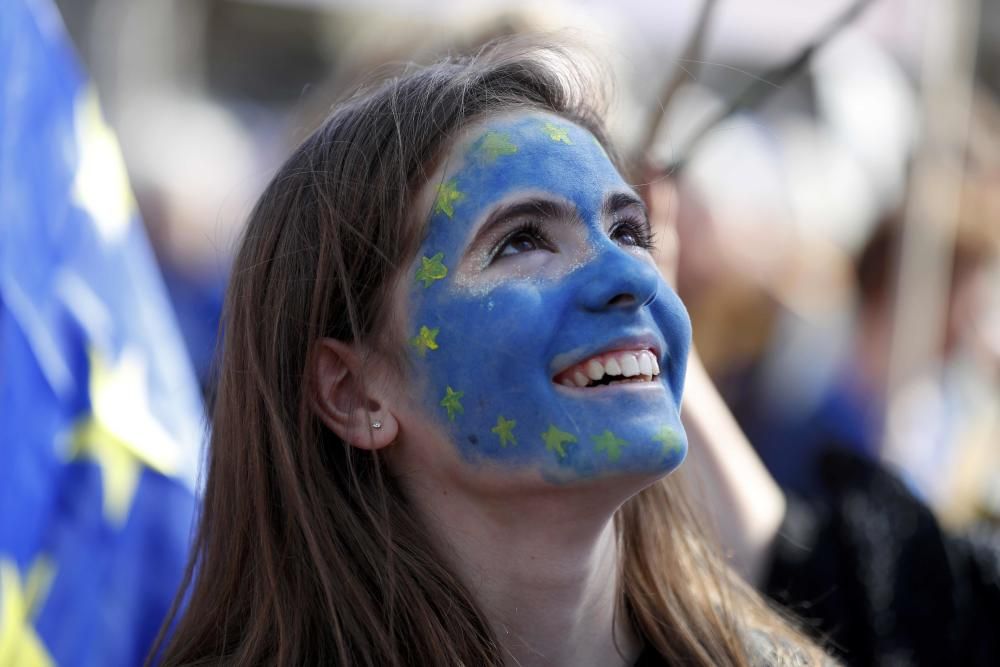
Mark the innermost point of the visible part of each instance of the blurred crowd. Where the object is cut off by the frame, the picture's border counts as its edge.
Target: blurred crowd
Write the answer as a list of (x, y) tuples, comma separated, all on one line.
[(839, 241)]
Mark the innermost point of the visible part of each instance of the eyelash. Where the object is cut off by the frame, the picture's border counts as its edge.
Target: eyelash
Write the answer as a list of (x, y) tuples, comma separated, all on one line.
[(640, 232), (530, 228)]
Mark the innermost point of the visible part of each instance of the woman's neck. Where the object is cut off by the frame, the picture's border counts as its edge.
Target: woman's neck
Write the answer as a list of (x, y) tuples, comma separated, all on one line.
[(545, 570)]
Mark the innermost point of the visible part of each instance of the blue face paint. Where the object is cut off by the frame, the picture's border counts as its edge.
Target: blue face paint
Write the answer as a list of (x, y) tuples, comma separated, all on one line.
[(530, 266)]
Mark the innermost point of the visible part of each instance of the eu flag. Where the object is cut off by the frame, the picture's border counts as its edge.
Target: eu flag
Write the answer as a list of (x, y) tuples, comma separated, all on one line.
[(100, 416)]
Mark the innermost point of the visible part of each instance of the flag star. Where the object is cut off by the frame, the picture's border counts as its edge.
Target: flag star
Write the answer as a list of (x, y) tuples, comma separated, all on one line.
[(431, 269), (556, 439), (557, 133), (425, 340), (447, 196), (505, 430), (495, 145), (120, 432), (451, 402), (607, 442), (100, 185), (20, 603)]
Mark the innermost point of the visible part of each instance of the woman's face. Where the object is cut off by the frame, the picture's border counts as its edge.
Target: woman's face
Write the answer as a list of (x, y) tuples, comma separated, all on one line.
[(543, 338)]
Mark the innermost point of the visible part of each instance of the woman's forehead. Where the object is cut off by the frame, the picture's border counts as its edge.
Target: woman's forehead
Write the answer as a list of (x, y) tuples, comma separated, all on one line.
[(523, 149)]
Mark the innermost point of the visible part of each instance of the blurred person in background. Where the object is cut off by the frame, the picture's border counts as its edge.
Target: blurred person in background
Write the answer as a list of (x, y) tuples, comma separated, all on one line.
[(800, 336), (439, 436), (847, 544), (861, 559), (851, 414)]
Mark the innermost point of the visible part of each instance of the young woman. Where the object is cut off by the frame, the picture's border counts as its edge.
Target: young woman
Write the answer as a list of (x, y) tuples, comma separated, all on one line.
[(448, 402)]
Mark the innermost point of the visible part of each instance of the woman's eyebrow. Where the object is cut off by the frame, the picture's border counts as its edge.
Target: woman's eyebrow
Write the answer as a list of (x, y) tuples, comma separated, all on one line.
[(620, 200), (535, 207)]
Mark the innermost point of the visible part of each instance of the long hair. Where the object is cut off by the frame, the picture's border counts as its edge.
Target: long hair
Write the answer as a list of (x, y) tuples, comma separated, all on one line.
[(307, 552)]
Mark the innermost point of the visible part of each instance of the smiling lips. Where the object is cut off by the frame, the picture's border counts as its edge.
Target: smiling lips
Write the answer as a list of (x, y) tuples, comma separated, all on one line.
[(611, 368)]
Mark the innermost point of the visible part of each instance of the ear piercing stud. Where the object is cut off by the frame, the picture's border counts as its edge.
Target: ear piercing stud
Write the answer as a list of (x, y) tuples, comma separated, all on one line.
[(376, 424)]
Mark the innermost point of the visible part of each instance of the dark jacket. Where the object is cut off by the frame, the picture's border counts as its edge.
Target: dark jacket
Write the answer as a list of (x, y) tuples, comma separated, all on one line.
[(869, 570)]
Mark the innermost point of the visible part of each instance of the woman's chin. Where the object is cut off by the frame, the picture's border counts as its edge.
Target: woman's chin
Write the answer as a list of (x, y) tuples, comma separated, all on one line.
[(636, 470)]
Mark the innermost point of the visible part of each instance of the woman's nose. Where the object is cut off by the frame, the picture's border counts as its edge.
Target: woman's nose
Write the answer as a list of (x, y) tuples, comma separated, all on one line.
[(617, 279)]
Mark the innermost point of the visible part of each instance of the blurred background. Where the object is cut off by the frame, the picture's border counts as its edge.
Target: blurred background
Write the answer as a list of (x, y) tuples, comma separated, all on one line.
[(839, 240), (840, 245)]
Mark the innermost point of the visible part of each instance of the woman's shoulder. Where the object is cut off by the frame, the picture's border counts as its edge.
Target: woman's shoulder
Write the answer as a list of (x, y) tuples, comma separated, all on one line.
[(767, 650), (763, 650)]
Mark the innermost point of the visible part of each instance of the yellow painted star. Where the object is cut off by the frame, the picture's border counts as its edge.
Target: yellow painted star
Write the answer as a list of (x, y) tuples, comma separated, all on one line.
[(19, 606), (120, 433), (451, 402), (607, 442), (447, 196), (425, 340), (555, 439), (557, 133), (494, 145), (505, 430), (669, 439), (431, 269)]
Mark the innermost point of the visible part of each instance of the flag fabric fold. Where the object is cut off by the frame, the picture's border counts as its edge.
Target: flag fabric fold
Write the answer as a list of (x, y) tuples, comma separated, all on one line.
[(101, 421)]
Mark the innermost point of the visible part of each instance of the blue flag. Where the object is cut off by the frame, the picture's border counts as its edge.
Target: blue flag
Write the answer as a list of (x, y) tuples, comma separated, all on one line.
[(100, 417)]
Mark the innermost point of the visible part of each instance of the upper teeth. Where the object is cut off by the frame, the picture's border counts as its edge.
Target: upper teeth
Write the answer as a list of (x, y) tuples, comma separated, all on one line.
[(640, 364)]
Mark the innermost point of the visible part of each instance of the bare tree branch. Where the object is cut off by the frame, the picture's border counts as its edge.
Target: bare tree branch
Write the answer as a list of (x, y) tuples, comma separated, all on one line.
[(691, 53), (765, 85)]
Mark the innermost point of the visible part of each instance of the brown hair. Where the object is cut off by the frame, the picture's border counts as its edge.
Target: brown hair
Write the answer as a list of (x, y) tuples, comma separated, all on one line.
[(307, 551)]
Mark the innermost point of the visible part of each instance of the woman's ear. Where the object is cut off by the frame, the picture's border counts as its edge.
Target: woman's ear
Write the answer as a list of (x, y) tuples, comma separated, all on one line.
[(352, 404)]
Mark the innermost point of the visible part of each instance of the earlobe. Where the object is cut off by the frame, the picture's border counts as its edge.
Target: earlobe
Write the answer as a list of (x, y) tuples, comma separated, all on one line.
[(353, 406)]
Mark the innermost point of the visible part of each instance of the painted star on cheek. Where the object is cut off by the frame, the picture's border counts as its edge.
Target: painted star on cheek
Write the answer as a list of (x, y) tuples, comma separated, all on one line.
[(447, 196), (495, 145), (505, 431), (425, 340), (608, 443), (556, 439), (667, 437), (557, 133), (451, 402), (431, 269)]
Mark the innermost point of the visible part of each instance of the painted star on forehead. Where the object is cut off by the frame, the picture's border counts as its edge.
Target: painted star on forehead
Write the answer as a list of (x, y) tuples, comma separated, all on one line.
[(20, 604), (505, 430), (425, 340), (669, 440), (557, 133), (447, 196), (120, 433), (608, 443), (494, 145), (556, 439), (431, 269), (451, 402)]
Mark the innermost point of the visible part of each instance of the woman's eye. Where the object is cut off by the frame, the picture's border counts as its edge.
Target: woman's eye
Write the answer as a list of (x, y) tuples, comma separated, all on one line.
[(526, 239), (625, 236), (631, 233), (520, 242)]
